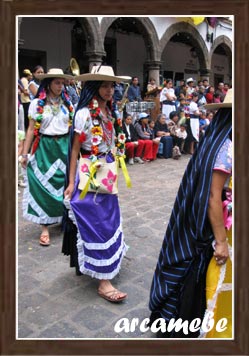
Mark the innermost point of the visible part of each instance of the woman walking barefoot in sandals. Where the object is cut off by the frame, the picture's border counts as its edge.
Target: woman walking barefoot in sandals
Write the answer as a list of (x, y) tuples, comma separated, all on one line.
[(98, 236)]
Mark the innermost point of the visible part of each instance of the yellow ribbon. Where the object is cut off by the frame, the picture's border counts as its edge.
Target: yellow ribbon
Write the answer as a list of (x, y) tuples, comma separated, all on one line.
[(124, 170), (93, 169)]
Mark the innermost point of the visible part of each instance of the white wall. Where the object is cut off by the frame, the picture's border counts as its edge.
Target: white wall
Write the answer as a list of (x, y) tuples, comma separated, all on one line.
[(50, 36)]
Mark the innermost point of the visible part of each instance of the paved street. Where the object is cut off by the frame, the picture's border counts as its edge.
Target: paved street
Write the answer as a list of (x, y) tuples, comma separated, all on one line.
[(55, 303)]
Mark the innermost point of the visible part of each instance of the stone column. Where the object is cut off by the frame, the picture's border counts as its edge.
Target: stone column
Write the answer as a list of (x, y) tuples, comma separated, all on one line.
[(95, 58), (153, 68), (205, 73)]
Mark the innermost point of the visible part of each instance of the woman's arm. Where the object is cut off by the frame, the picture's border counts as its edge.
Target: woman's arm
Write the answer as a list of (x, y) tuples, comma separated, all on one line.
[(215, 214), (73, 165), (27, 143), (33, 89)]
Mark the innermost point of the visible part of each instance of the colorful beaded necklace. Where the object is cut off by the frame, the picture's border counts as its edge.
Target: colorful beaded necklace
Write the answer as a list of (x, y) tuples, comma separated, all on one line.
[(40, 108), (103, 130)]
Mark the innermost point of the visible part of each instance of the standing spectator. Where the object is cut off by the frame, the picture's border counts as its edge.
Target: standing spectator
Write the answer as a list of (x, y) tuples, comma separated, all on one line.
[(220, 91), (134, 91), (206, 85), (35, 82), (50, 117), (179, 88), (70, 88), (93, 231), (193, 123), (162, 131), (133, 145), (21, 139), (182, 133), (25, 98), (20, 89), (226, 87), (143, 132), (210, 95), (190, 88), (167, 98)]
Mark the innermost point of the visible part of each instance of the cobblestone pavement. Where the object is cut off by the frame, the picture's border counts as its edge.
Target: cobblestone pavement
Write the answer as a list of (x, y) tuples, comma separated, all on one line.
[(55, 303)]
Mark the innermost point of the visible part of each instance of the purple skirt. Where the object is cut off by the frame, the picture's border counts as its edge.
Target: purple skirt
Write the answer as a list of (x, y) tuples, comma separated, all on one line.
[(100, 240)]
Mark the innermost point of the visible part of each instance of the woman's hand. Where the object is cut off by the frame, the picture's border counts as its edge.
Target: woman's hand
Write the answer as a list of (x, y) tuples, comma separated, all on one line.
[(69, 191), (221, 252), (24, 162)]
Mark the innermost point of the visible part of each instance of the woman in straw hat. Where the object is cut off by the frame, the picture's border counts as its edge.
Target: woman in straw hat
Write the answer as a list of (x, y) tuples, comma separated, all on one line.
[(50, 115), (196, 223), (100, 241)]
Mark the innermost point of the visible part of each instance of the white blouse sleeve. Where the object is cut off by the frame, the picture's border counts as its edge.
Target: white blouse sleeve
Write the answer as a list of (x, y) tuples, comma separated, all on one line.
[(82, 120), (33, 109)]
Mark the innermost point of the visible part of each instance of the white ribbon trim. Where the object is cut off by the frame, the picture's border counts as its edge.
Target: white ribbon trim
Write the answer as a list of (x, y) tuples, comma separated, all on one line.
[(43, 218), (44, 178), (82, 258)]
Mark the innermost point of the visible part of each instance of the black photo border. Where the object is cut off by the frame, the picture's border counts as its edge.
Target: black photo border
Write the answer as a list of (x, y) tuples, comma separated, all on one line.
[(9, 9)]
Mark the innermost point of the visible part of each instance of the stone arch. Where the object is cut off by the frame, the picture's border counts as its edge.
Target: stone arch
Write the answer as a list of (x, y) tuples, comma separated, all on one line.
[(91, 28), (195, 38), (226, 43), (147, 30)]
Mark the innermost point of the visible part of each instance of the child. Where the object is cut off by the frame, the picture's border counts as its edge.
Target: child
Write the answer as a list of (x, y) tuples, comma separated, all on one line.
[(21, 139), (182, 134)]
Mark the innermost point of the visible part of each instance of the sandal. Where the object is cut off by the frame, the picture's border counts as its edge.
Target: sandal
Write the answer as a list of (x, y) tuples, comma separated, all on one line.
[(44, 240), (112, 295)]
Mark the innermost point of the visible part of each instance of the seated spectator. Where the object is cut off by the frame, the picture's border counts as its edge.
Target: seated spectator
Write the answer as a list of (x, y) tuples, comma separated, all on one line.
[(143, 132), (162, 131), (210, 116), (133, 145), (173, 126), (204, 122)]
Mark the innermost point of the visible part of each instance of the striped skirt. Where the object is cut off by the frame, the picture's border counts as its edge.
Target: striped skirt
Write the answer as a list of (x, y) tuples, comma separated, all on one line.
[(100, 239)]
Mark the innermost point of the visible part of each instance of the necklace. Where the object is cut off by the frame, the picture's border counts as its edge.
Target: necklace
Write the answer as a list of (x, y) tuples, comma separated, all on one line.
[(103, 129), (40, 107)]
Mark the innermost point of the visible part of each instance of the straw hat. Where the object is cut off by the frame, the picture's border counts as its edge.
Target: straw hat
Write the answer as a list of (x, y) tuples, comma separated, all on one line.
[(27, 72), (227, 103), (103, 73), (54, 73)]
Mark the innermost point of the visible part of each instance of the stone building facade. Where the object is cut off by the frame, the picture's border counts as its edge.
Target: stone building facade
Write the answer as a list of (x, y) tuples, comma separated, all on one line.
[(146, 47)]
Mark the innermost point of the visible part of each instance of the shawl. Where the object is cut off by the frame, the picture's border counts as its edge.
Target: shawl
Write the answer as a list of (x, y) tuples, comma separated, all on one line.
[(189, 232)]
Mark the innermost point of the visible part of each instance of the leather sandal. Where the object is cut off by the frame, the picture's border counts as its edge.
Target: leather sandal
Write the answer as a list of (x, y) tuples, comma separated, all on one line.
[(44, 240), (112, 295)]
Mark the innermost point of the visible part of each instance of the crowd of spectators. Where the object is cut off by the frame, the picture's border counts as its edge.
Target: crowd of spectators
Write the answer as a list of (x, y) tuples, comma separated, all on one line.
[(182, 121)]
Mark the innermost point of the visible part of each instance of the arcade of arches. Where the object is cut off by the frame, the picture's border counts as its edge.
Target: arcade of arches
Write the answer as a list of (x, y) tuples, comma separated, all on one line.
[(133, 47)]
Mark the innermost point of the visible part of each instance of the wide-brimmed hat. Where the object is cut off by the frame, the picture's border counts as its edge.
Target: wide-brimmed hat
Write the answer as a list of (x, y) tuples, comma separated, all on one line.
[(103, 73), (54, 73), (227, 102), (189, 80)]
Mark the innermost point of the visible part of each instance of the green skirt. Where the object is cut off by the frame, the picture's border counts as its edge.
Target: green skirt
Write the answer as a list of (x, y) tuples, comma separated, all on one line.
[(46, 169)]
